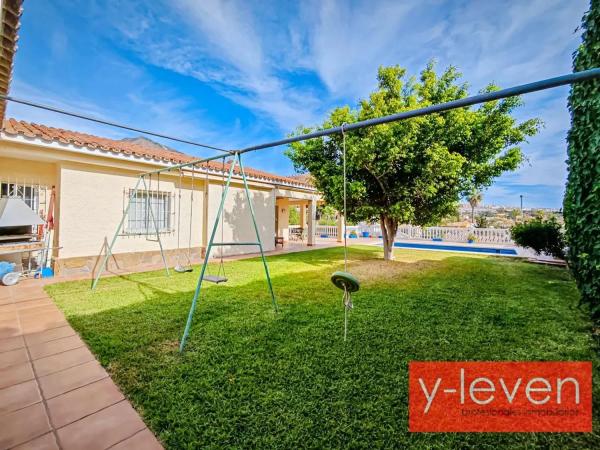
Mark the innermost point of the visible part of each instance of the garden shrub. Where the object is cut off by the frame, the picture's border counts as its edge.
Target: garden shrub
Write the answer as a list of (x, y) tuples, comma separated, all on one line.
[(582, 196), (543, 236)]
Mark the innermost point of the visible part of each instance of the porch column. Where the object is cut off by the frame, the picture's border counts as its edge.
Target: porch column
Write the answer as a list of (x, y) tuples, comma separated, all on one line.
[(303, 215), (312, 221), (283, 215), (340, 227)]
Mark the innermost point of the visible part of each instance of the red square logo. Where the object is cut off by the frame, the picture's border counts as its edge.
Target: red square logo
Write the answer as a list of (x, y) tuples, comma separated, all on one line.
[(500, 396)]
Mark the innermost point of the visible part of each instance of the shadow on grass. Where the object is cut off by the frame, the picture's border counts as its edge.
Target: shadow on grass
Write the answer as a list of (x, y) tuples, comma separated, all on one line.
[(253, 378)]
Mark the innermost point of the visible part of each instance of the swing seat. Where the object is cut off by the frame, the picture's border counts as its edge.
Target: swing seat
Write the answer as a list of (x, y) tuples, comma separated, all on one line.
[(215, 279), (345, 281), (182, 269)]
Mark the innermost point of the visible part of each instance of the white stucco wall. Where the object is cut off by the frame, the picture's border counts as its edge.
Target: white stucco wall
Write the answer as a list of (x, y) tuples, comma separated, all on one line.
[(238, 220), (90, 200), (91, 206)]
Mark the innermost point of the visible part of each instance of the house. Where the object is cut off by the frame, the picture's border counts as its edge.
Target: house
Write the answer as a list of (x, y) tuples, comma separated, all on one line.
[(92, 178), (84, 183)]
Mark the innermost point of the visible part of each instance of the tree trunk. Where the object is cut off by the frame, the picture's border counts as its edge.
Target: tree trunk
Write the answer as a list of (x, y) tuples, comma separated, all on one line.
[(389, 227)]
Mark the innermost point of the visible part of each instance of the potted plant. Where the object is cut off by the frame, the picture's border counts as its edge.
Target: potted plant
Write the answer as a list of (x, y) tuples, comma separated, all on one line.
[(471, 238)]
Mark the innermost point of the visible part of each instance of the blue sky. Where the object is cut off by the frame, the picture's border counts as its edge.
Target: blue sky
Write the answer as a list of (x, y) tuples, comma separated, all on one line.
[(235, 73)]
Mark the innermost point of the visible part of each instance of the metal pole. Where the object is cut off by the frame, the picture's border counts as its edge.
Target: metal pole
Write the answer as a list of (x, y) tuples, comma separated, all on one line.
[(188, 324), (184, 165), (114, 239), (441, 107), (262, 253), (522, 214), (162, 253), (106, 122)]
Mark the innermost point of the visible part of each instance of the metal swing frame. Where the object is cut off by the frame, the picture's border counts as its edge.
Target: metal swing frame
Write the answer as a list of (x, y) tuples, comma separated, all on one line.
[(237, 161), (541, 85), (150, 209), (211, 243)]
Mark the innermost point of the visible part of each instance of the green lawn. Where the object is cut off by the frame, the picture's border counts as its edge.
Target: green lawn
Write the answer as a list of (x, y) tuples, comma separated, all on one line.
[(253, 378)]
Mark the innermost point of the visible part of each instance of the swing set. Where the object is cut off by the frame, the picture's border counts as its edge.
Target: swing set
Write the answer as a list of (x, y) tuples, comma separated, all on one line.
[(343, 279)]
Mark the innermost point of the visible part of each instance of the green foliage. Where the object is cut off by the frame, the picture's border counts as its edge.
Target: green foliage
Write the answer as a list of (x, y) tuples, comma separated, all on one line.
[(294, 218), (414, 171), (543, 236), (582, 197), (253, 379), (481, 221), (327, 215), (514, 214), (474, 199)]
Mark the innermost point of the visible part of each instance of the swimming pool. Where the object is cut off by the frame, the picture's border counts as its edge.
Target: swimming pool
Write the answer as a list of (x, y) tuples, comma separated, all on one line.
[(457, 248)]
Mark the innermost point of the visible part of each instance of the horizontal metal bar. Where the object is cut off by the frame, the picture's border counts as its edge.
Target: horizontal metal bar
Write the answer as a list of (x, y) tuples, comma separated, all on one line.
[(184, 165), (461, 103), (107, 122), (236, 243)]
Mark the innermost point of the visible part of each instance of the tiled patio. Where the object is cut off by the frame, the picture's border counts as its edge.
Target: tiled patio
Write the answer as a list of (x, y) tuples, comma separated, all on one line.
[(53, 392)]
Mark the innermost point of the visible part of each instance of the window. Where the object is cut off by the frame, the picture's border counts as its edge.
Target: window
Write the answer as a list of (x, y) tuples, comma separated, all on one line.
[(28, 193), (144, 204)]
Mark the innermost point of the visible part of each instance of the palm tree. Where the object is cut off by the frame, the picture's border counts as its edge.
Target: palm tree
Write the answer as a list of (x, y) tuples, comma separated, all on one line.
[(474, 200)]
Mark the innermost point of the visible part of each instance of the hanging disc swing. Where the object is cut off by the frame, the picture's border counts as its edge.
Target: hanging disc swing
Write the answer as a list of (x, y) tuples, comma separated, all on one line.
[(183, 268), (343, 279), (220, 277)]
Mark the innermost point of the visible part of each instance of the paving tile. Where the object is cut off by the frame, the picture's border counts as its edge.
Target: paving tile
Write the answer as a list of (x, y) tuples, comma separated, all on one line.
[(69, 379), (50, 335), (53, 347), (29, 298), (16, 374), (6, 301), (13, 357), (144, 440), (45, 442), (18, 396), (82, 402), (102, 429), (7, 307), (32, 304), (62, 361), (23, 425), (8, 315), (11, 343), (41, 323), (37, 311), (9, 328), (23, 291)]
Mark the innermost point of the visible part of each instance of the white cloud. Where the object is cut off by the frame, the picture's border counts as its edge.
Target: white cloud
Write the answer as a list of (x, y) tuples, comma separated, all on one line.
[(289, 64)]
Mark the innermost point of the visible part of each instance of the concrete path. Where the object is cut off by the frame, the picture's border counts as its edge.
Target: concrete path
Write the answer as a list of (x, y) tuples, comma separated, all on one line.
[(53, 392)]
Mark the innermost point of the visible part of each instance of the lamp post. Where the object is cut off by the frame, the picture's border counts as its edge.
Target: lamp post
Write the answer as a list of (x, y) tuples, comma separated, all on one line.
[(522, 215)]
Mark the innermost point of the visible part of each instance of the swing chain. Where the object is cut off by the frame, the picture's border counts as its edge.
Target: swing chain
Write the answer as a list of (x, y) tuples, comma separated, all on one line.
[(344, 212)]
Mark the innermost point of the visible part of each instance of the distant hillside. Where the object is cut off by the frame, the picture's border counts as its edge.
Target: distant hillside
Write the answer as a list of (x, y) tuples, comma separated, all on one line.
[(145, 142)]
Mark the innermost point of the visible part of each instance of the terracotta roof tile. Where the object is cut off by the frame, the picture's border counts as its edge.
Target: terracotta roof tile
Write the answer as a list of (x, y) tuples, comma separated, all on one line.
[(15, 127), (10, 14)]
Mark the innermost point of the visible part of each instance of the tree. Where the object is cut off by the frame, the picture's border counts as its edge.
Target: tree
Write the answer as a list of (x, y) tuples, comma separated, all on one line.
[(543, 236), (481, 221), (582, 196), (475, 198), (294, 217), (413, 171), (327, 215)]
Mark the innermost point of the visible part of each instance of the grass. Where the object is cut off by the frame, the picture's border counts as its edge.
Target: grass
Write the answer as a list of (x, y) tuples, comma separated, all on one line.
[(252, 378)]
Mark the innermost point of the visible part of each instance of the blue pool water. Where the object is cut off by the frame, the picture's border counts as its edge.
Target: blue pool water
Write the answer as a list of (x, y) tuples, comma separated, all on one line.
[(457, 248)]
